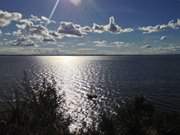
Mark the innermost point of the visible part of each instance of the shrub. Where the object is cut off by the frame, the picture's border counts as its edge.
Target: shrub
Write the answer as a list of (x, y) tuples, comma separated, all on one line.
[(137, 116), (34, 110)]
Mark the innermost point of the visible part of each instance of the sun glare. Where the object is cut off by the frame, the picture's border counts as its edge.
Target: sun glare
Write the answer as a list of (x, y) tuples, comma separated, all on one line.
[(68, 58), (76, 2)]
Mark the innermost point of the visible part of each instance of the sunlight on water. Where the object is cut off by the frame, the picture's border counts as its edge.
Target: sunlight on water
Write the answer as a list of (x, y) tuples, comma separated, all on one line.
[(75, 81), (108, 78)]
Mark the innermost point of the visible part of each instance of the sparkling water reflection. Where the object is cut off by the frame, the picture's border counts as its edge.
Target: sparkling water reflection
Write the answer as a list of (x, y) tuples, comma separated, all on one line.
[(109, 78), (77, 78)]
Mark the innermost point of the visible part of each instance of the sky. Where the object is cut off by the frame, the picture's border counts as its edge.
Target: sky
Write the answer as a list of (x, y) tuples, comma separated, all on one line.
[(57, 27)]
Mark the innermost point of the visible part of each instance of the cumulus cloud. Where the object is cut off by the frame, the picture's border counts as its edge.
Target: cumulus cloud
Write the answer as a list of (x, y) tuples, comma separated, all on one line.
[(56, 34), (111, 27), (45, 19), (24, 24), (86, 29), (23, 41), (39, 30), (34, 18), (41, 33), (49, 39), (71, 29), (98, 28), (7, 17), (41, 20), (160, 27), (36, 28), (150, 29), (35, 31), (114, 28), (102, 43), (17, 33)]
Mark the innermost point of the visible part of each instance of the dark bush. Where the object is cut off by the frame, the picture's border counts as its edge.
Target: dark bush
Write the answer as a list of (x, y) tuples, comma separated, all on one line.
[(137, 116), (34, 110)]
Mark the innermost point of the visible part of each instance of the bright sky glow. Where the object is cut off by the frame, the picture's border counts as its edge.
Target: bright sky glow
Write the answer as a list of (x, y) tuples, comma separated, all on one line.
[(75, 2)]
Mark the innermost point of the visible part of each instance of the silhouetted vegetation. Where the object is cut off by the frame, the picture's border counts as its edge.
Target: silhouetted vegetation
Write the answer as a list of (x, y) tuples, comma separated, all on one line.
[(34, 110), (40, 109), (137, 116)]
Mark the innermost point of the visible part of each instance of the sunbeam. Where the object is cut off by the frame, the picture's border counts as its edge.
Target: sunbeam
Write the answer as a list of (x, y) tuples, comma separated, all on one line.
[(54, 9)]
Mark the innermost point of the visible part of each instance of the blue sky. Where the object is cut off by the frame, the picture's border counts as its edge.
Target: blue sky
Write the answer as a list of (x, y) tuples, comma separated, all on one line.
[(90, 27)]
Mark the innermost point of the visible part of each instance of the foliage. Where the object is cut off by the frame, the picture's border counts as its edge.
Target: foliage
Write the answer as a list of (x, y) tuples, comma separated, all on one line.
[(39, 109), (137, 116), (34, 110)]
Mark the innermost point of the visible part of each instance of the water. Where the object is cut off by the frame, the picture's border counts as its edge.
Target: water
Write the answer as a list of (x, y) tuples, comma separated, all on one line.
[(111, 78)]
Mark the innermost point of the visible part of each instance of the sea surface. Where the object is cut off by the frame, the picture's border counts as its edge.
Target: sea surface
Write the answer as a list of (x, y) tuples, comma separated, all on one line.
[(110, 78)]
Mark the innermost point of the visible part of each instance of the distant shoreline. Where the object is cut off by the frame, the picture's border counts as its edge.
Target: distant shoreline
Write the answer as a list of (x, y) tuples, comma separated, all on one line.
[(90, 55)]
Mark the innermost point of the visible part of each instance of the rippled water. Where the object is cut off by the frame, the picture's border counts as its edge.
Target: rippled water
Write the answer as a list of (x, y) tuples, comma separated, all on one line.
[(110, 78)]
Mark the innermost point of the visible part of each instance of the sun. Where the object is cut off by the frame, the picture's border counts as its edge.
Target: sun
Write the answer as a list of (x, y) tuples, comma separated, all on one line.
[(76, 2)]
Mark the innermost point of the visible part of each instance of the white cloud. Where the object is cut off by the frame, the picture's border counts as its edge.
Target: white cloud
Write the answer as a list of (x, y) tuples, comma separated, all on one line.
[(7, 34), (56, 34), (111, 27), (119, 44), (45, 20), (178, 22), (37, 32), (114, 28), (23, 41), (70, 29), (6, 17), (160, 27), (163, 38), (34, 31), (150, 29), (34, 18), (36, 25), (24, 24), (81, 44), (49, 39), (146, 46), (102, 43), (115, 44), (42, 33), (17, 33), (86, 29), (41, 20), (98, 28)]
